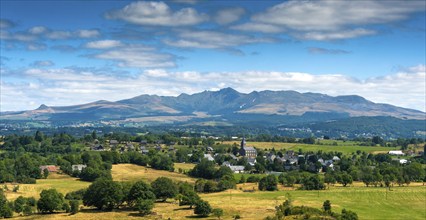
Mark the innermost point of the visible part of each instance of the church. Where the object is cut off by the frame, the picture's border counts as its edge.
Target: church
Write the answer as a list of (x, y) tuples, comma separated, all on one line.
[(247, 151)]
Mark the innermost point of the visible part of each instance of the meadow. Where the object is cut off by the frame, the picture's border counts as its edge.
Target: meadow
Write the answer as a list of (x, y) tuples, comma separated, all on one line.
[(368, 202), (349, 148)]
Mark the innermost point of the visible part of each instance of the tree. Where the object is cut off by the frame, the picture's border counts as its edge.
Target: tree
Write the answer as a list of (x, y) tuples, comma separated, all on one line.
[(205, 169), (202, 208), (45, 173), (140, 190), (345, 179), (326, 206), (144, 206), (50, 200), (75, 206), (5, 210), (19, 204), (312, 183), (217, 212), (187, 195), (348, 215), (268, 183), (104, 194), (164, 188)]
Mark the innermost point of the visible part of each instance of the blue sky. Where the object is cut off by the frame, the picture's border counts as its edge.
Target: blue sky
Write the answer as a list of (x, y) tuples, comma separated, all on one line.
[(72, 52)]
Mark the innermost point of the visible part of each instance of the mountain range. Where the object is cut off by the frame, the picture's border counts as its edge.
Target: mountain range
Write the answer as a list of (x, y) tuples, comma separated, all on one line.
[(224, 104)]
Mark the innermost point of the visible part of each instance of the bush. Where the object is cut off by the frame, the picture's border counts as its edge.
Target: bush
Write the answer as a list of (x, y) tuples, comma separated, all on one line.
[(217, 212), (104, 194), (202, 208), (268, 183), (144, 206), (75, 206), (253, 179), (75, 195)]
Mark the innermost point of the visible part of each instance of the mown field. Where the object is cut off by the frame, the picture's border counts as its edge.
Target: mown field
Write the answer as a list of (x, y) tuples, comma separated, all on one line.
[(351, 147), (368, 202)]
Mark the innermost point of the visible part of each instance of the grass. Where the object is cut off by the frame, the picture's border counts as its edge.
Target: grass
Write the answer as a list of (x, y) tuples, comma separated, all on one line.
[(345, 149), (131, 172), (63, 183), (184, 166), (367, 202)]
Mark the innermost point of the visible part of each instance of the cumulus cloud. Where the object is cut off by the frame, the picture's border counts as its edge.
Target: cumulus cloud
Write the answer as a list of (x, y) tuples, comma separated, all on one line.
[(138, 56), (103, 44), (157, 13), (229, 15), (87, 33), (67, 86), (212, 40), (36, 46), (38, 30), (330, 20)]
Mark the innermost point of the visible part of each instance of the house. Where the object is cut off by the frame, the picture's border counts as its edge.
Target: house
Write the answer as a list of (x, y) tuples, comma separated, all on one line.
[(143, 142), (403, 161), (208, 157), (158, 148), (235, 169), (336, 158), (98, 147), (130, 147), (210, 149), (113, 142), (50, 168), (396, 152), (233, 156), (247, 151), (171, 148), (251, 161), (78, 167)]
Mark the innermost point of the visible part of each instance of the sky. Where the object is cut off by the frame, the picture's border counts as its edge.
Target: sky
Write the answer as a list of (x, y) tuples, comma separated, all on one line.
[(73, 52)]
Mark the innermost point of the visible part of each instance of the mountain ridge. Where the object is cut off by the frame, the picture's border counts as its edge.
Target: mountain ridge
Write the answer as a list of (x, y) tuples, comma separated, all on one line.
[(224, 102)]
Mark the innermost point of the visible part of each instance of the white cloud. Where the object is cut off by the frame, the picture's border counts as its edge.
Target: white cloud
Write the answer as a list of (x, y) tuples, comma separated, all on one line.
[(319, 50), (258, 27), (138, 56), (327, 15), (103, 44), (36, 46), (157, 13), (72, 86), (324, 20), (38, 30), (212, 40), (87, 33), (338, 35), (58, 35), (43, 63), (229, 15)]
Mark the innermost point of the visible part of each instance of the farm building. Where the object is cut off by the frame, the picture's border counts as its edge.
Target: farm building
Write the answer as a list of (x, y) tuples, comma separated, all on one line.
[(396, 152), (78, 167), (50, 168)]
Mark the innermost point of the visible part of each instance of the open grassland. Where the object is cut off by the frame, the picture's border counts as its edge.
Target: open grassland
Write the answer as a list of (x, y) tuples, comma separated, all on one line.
[(184, 166), (345, 149), (367, 202), (63, 183), (131, 172)]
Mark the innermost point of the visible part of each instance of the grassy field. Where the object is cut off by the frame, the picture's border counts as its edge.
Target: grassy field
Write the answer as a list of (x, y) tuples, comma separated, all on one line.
[(130, 172), (63, 183), (346, 149), (367, 202), (184, 166)]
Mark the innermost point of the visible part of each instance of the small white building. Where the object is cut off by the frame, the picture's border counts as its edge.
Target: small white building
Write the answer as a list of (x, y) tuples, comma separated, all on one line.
[(78, 167), (208, 157), (403, 161), (396, 152)]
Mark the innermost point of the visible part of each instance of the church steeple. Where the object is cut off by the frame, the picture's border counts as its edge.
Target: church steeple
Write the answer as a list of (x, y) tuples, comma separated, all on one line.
[(243, 143)]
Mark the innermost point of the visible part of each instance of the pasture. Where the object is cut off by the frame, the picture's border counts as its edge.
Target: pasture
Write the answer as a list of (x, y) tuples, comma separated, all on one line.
[(341, 147), (131, 172)]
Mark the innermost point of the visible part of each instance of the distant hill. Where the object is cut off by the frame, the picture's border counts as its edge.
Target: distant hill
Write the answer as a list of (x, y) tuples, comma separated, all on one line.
[(226, 104)]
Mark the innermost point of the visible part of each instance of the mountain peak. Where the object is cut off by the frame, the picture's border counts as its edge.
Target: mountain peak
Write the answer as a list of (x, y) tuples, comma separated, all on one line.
[(43, 107)]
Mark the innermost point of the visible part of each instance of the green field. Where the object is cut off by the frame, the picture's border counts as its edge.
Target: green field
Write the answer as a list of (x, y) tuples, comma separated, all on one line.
[(351, 147), (367, 202)]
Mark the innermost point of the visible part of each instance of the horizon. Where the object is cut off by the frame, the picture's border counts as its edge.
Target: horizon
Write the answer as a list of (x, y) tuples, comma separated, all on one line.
[(74, 52)]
